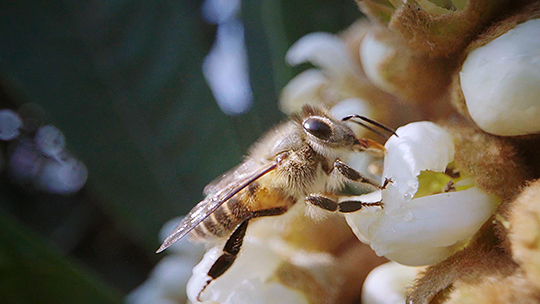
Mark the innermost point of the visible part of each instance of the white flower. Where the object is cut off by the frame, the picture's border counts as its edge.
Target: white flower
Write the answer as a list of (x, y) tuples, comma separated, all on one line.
[(420, 230), (167, 282), (50, 140), (501, 82), (25, 163), (372, 54), (65, 176), (339, 77), (326, 51), (10, 123), (249, 280), (43, 163), (307, 87), (350, 106), (225, 69)]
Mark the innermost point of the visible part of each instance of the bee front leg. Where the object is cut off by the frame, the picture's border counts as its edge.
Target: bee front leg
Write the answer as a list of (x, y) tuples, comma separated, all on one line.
[(354, 175), (329, 204), (233, 245)]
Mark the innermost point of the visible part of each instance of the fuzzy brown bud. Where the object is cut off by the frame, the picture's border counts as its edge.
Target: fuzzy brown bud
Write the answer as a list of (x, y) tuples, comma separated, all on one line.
[(525, 231), (494, 162)]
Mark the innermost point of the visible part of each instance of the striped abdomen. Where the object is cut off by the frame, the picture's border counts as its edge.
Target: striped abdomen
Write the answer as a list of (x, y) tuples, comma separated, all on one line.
[(222, 222)]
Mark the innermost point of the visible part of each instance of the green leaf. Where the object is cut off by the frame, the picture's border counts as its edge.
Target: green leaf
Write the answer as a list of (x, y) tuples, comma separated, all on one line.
[(31, 272)]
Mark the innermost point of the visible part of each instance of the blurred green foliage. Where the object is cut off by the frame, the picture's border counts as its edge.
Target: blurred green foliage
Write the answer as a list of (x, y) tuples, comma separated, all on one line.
[(30, 272), (122, 79)]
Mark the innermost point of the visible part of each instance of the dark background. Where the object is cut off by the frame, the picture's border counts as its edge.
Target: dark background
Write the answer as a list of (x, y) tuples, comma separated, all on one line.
[(122, 79)]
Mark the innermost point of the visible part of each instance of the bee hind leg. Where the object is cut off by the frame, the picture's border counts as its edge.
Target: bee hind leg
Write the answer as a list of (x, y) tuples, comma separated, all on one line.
[(329, 204), (233, 245)]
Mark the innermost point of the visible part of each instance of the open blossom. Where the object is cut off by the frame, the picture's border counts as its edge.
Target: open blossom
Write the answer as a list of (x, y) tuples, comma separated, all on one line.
[(421, 230)]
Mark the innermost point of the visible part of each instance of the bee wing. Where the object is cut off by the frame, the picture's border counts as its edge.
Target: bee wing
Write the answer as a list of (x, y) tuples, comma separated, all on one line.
[(210, 204), (230, 177)]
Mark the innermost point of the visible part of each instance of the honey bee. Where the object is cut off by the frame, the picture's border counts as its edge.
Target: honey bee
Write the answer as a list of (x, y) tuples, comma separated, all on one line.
[(298, 160)]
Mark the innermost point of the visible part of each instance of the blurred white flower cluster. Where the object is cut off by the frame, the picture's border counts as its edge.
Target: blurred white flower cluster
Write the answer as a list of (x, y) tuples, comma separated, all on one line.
[(167, 282), (252, 279), (225, 68), (336, 80), (37, 158)]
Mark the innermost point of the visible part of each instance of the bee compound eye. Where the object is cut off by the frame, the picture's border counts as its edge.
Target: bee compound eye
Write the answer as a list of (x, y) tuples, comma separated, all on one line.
[(317, 128)]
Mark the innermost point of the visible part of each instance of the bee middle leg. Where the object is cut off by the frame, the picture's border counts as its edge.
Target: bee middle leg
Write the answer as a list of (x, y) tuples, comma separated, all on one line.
[(234, 243), (329, 204), (354, 175)]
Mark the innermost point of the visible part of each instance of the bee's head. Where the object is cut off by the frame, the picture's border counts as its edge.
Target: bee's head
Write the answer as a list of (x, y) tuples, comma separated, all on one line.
[(327, 136)]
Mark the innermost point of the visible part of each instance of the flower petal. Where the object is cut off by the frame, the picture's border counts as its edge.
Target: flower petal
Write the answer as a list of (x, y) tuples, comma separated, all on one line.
[(438, 220), (237, 286), (372, 54), (306, 88), (324, 50), (388, 283), (351, 106), (420, 257), (420, 146)]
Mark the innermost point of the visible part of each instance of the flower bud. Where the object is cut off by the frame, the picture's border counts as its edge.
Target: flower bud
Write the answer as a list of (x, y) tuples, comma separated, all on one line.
[(501, 82), (388, 283)]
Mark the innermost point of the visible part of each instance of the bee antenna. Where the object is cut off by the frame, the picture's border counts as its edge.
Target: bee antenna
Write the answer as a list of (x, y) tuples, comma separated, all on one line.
[(373, 122)]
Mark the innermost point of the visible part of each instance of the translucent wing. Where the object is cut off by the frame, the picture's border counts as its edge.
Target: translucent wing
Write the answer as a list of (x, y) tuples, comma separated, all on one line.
[(231, 177), (221, 192)]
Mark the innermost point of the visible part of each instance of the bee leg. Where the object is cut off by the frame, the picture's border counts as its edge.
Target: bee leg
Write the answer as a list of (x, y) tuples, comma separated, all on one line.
[(328, 204), (351, 206), (354, 175), (233, 245), (230, 251), (386, 182), (323, 202)]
